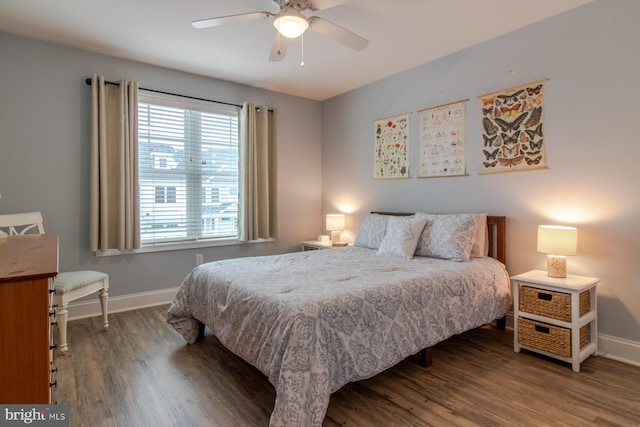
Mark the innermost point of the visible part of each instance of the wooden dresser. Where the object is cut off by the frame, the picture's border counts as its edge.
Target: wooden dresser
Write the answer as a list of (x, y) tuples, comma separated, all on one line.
[(28, 265)]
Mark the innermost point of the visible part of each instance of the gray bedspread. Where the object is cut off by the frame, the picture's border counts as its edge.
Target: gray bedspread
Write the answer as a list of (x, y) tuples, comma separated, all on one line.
[(314, 321)]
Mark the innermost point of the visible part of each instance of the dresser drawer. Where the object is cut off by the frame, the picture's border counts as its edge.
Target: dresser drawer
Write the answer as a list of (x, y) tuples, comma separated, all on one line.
[(550, 338), (555, 305)]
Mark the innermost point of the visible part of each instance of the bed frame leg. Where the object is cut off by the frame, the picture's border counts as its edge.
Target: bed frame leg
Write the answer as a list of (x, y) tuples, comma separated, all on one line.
[(200, 331), (425, 356), (501, 323)]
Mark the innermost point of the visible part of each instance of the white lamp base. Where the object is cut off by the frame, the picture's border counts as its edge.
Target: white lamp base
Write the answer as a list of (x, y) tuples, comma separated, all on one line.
[(557, 266), (335, 239)]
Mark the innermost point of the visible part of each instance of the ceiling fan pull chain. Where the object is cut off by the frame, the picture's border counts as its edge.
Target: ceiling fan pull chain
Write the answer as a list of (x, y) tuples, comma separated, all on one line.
[(279, 39), (302, 48)]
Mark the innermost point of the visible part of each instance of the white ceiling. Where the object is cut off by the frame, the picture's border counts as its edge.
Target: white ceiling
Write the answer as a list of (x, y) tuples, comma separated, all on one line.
[(402, 34)]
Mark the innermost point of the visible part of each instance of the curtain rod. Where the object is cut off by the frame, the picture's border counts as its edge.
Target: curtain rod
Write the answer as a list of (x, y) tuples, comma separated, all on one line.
[(88, 81)]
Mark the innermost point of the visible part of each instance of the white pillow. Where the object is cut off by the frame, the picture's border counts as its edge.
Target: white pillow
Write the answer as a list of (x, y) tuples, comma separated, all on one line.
[(481, 240), (372, 231), (402, 236), (448, 236)]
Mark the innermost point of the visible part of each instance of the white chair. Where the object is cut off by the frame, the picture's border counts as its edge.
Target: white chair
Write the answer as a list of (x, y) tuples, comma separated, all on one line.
[(69, 285)]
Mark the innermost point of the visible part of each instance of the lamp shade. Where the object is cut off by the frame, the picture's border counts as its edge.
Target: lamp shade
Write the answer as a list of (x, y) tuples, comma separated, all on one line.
[(557, 240), (291, 23), (335, 222)]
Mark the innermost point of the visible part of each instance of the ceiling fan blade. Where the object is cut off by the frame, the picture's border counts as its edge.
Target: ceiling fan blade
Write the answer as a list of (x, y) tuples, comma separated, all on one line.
[(279, 48), (324, 4), (221, 20), (338, 33)]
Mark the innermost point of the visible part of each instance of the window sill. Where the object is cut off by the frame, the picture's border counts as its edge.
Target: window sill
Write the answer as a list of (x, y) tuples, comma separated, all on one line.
[(180, 246)]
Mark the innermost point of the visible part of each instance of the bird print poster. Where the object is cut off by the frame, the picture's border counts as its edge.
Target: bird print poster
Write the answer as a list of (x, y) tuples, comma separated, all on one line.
[(391, 158), (512, 129), (442, 140)]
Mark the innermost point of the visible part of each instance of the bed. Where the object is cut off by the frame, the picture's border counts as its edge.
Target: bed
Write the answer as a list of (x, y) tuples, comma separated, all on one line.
[(313, 321)]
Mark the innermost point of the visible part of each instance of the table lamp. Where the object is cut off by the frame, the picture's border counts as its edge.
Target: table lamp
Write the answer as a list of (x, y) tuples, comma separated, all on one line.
[(335, 223), (557, 242)]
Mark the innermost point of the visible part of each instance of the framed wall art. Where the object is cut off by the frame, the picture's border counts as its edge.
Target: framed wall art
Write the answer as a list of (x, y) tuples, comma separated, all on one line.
[(391, 156), (512, 129), (442, 140)]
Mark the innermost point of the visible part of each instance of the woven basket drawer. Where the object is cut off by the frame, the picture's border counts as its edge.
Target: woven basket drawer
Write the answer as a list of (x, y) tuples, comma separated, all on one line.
[(550, 338), (555, 305)]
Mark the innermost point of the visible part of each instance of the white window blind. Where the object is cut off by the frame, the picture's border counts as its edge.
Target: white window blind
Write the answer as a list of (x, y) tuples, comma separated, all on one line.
[(188, 169)]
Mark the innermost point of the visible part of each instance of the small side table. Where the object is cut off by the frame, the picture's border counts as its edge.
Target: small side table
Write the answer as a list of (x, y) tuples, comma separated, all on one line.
[(313, 245), (556, 317)]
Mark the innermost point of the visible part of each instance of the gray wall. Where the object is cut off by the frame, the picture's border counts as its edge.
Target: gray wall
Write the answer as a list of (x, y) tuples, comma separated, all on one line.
[(45, 111), (592, 111), (326, 150)]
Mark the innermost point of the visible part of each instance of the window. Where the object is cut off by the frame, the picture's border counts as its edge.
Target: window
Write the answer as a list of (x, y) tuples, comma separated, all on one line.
[(188, 169), (165, 194), (214, 195)]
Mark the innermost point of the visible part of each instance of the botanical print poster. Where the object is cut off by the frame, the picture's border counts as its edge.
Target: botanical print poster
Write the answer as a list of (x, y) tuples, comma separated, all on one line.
[(442, 140), (391, 158), (512, 135)]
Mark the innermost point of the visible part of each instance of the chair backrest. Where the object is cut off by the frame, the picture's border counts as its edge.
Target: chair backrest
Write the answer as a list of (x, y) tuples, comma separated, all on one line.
[(21, 223)]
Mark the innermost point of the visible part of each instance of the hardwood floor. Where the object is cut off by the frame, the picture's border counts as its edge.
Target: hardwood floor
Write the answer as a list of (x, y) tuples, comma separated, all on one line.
[(142, 373)]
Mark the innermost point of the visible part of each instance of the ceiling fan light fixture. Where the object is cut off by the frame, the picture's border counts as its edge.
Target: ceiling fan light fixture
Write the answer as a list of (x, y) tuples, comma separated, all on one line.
[(291, 23)]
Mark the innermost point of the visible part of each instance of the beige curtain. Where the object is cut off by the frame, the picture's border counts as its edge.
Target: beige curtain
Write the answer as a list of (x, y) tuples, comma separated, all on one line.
[(114, 211), (257, 210)]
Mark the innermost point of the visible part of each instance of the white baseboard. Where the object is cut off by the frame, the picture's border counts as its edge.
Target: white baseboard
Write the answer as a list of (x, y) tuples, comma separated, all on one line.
[(509, 320), (81, 310), (619, 349)]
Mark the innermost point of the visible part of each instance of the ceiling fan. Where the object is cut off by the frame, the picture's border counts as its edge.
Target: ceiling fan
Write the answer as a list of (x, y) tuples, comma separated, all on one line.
[(291, 23)]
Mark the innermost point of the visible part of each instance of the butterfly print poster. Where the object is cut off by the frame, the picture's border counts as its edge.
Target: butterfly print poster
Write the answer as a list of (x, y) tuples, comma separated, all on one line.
[(442, 140), (512, 123), (391, 158)]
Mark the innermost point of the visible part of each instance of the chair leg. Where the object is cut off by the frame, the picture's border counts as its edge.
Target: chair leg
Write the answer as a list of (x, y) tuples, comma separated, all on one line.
[(61, 315), (104, 297)]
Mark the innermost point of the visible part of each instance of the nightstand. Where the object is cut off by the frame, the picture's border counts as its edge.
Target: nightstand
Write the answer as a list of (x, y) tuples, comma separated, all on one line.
[(314, 245), (556, 317)]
